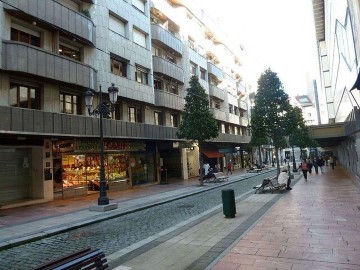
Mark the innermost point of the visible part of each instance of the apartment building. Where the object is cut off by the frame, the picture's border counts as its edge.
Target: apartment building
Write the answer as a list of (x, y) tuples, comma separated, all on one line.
[(54, 51)]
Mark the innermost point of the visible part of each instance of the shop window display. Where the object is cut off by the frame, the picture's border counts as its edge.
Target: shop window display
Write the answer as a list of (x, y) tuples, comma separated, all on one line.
[(84, 170)]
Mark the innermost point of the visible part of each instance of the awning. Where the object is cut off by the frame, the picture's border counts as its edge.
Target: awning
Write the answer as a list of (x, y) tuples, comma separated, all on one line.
[(212, 153)]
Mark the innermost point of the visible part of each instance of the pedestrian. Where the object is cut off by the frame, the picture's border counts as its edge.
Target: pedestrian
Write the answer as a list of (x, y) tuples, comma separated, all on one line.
[(206, 167), (309, 162), (321, 163), (316, 167), (284, 179), (332, 162), (304, 168), (229, 167)]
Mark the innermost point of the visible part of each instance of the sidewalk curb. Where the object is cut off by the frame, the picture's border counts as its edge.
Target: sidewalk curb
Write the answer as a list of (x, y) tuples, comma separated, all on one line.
[(102, 216)]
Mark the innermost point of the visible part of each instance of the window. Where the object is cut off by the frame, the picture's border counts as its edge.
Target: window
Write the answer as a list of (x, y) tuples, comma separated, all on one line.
[(171, 58), (231, 108), (139, 38), (117, 25), (139, 4), (135, 114), (131, 114), (25, 35), (203, 74), (174, 120), (191, 43), (193, 68), (222, 128), (173, 89), (24, 96), (141, 75), (158, 118), (69, 51), (118, 66), (69, 103), (158, 84), (155, 51), (236, 110)]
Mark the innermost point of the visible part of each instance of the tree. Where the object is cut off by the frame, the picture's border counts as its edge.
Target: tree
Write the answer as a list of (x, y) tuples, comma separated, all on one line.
[(270, 116), (300, 133), (197, 122)]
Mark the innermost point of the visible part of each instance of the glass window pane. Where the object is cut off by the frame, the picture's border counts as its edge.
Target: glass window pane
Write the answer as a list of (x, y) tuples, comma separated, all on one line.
[(68, 98), (13, 96), (68, 108)]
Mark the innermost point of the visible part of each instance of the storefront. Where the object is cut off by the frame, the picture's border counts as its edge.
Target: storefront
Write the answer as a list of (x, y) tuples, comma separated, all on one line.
[(77, 165)]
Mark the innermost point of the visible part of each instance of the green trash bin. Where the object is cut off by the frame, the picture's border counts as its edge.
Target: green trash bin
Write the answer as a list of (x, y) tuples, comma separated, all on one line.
[(228, 199)]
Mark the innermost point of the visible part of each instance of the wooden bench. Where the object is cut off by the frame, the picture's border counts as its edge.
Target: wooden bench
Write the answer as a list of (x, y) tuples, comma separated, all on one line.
[(219, 176), (83, 259), (270, 183)]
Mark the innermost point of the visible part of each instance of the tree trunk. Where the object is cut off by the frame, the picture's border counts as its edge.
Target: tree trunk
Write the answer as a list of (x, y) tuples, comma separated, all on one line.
[(277, 160), (201, 161), (260, 159)]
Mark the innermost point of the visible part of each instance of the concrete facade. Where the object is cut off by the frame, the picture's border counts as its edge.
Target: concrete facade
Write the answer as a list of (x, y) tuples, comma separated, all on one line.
[(53, 51)]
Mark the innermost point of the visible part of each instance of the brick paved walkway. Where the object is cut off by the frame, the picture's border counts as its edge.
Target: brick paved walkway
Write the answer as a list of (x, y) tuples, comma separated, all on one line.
[(315, 226)]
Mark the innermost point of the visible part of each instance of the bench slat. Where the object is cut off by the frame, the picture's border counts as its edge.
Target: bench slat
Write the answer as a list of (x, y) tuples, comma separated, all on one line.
[(85, 259)]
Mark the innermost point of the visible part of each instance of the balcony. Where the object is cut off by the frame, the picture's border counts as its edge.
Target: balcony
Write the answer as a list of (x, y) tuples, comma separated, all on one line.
[(21, 57), (55, 15), (34, 122), (218, 114), (232, 138), (169, 100), (217, 92), (244, 121), (167, 68), (160, 36), (233, 119), (214, 70)]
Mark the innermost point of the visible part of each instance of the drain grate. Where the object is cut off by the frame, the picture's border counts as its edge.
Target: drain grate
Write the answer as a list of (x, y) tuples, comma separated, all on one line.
[(186, 206)]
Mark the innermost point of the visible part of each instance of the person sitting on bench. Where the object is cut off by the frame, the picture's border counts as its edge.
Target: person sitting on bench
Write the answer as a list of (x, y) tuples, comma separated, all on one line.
[(284, 179)]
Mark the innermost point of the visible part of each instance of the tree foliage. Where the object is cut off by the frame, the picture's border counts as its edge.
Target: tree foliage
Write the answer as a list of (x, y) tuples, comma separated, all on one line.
[(270, 117), (197, 122), (300, 133)]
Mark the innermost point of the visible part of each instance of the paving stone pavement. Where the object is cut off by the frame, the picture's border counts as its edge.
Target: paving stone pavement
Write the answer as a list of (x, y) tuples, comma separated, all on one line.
[(314, 226)]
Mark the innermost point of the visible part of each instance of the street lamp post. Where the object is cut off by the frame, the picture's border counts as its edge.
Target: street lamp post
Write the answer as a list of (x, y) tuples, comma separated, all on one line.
[(103, 109), (294, 164)]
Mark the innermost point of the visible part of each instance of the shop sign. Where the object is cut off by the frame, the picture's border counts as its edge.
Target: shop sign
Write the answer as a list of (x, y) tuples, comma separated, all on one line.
[(93, 145), (64, 146)]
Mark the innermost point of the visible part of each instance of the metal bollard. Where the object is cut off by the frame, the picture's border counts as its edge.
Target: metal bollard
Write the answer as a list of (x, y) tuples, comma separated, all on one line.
[(228, 199)]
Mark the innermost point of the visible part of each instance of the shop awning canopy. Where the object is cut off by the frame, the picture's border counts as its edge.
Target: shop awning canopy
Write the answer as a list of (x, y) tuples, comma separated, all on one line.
[(212, 153)]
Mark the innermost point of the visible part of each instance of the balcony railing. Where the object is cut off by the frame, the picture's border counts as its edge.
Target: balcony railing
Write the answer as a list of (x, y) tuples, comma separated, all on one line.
[(36, 122), (169, 100), (160, 35), (21, 57), (234, 119), (216, 92), (218, 114), (168, 68), (57, 16), (214, 70), (232, 138)]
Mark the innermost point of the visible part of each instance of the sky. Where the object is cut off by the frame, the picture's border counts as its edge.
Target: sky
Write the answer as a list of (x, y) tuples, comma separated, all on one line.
[(276, 34)]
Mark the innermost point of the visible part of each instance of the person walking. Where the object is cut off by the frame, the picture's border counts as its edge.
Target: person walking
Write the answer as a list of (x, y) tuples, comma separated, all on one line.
[(229, 167), (332, 162), (304, 168), (310, 164), (315, 165), (321, 163), (284, 179)]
